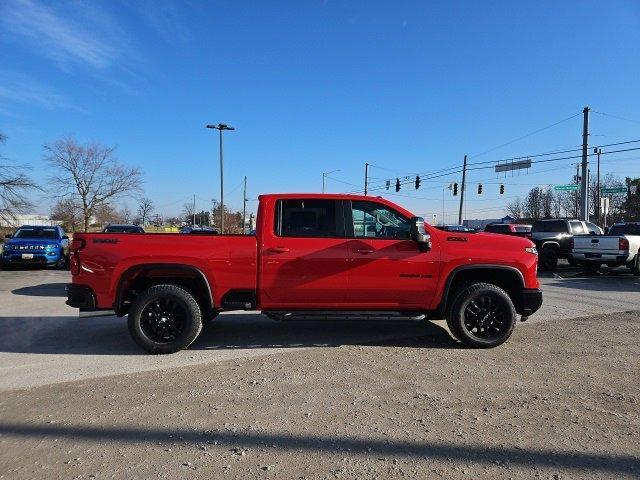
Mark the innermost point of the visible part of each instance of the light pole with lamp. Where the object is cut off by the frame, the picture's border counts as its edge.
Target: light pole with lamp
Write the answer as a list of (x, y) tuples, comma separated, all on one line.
[(220, 127), (324, 174)]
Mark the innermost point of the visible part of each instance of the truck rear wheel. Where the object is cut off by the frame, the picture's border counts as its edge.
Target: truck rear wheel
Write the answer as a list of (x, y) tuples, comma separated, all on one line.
[(636, 265), (482, 315), (165, 319)]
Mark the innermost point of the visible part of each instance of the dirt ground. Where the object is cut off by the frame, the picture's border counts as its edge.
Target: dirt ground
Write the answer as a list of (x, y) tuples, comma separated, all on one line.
[(558, 400)]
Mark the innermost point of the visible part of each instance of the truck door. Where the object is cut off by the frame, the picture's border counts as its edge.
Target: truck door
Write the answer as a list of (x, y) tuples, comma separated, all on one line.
[(305, 256), (387, 268)]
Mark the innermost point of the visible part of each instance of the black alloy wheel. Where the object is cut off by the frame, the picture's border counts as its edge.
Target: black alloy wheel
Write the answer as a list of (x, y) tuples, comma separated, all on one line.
[(163, 320), (484, 317)]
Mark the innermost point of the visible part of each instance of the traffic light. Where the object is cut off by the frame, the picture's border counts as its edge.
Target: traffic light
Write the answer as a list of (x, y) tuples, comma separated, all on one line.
[(417, 182), (501, 189), (397, 184), (455, 189), (479, 189), (388, 184)]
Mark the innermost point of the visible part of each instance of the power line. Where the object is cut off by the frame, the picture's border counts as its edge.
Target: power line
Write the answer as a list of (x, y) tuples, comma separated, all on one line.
[(616, 116), (525, 136)]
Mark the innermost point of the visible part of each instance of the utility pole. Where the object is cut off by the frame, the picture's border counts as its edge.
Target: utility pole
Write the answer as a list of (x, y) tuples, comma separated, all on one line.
[(598, 211), (244, 205), (220, 127), (584, 193), (577, 191), (464, 177), (366, 178), (325, 174), (194, 210)]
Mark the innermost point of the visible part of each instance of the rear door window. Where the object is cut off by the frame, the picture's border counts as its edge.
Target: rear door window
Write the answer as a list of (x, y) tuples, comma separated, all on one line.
[(577, 228), (306, 218)]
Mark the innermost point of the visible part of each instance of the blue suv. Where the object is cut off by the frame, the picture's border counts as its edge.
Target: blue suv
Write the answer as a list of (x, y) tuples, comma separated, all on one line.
[(36, 245)]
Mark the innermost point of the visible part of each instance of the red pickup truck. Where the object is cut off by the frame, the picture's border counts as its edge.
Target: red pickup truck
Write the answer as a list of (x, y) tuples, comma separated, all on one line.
[(312, 256)]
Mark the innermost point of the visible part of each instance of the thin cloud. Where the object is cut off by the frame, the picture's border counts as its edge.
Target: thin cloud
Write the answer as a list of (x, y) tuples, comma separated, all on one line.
[(68, 36), (18, 88), (166, 18)]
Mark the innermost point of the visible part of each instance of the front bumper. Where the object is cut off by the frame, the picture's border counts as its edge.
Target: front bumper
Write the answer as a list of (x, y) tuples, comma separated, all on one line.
[(531, 301), (10, 257)]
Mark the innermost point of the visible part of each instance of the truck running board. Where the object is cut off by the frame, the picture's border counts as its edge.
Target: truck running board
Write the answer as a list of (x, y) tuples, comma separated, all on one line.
[(347, 315)]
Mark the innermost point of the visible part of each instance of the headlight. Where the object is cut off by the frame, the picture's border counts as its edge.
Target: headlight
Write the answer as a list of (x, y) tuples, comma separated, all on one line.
[(532, 250)]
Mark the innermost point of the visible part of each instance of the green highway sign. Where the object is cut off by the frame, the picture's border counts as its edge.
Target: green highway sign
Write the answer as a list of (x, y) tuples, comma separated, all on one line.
[(615, 190), (566, 187)]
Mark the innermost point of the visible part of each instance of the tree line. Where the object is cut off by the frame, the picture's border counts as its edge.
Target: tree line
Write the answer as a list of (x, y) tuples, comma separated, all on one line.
[(543, 202), (87, 183)]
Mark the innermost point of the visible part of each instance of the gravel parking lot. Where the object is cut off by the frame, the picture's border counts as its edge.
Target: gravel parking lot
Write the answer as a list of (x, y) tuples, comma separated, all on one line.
[(256, 398)]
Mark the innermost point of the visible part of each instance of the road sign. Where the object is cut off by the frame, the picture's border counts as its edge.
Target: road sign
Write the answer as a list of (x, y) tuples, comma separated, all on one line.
[(511, 165), (614, 190), (604, 205), (564, 188)]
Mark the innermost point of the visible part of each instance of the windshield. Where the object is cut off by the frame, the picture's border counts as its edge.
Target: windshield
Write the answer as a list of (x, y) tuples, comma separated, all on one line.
[(35, 232)]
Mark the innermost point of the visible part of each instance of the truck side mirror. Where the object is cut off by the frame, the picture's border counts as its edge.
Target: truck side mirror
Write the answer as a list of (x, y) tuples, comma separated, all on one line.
[(7, 236), (419, 234)]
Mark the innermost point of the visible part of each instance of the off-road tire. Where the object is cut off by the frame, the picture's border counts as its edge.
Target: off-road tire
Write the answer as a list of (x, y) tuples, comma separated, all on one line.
[(458, 322), (191, 321), (636, 265), (548, 259)]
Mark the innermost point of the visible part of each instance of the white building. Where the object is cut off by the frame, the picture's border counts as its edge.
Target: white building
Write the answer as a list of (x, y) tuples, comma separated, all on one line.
[(19, 220)]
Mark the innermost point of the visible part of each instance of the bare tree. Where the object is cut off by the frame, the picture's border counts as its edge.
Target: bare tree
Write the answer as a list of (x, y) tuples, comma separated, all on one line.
[(126, 215), (187, 212), (90, 174), (145, 209), (67, 211), (106, 214), (14, 184), (514, 208)]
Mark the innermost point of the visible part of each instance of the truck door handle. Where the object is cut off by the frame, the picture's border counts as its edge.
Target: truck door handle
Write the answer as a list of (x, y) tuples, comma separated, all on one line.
[(279, 250), (364, 250)]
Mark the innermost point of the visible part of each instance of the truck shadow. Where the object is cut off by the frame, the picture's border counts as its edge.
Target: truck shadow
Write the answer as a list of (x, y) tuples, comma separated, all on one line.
[(43, 290), (109, 336)]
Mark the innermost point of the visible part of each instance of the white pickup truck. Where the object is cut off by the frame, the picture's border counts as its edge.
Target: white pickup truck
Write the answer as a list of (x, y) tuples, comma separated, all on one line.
[(621, 246)]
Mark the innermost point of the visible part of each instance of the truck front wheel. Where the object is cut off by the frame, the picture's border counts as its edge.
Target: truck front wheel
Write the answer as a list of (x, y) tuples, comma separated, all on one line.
[(165, 319), (482, 315)]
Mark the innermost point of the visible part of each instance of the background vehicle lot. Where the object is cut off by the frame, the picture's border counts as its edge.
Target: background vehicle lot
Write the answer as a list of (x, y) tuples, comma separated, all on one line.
[(255, 397)]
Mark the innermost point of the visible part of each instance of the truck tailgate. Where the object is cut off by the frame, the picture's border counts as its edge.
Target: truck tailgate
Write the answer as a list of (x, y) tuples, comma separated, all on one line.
[(597, 244)]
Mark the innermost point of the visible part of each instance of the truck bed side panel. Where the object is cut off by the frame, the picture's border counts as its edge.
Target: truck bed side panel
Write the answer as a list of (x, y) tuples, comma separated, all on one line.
[(227, 261)]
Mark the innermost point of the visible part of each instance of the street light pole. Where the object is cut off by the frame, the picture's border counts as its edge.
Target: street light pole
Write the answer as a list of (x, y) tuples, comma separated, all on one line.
[(598, 209), (220, 127), (324, 174)]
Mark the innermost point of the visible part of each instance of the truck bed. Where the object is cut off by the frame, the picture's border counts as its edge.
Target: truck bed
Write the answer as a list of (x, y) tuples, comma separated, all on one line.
[(227, 261)]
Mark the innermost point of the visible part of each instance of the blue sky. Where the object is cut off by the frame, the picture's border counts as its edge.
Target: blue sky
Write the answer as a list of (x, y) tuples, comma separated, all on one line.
[(315, 86)]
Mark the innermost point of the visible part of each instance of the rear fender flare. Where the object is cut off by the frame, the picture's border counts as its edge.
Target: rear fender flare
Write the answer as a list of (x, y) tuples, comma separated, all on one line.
[(117, 306)]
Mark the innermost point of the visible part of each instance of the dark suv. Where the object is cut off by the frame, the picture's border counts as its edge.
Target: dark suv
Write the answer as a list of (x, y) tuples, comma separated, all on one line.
[(553, 239)]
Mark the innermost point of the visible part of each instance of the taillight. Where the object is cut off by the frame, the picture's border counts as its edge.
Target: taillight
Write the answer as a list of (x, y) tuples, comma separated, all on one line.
[(623, 243), (77, 244)]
